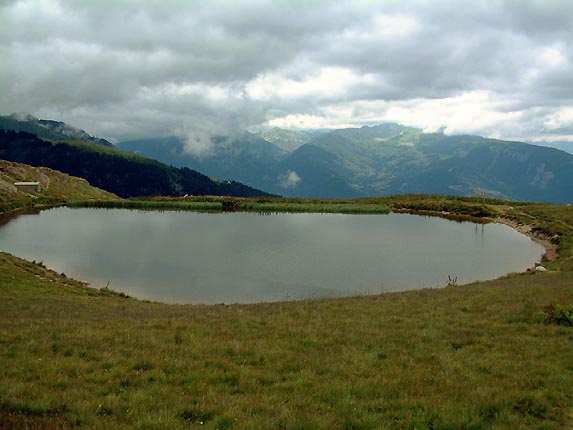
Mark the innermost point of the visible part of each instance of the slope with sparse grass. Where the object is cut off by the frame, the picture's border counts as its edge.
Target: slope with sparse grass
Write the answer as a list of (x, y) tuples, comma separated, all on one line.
[(56, 187)]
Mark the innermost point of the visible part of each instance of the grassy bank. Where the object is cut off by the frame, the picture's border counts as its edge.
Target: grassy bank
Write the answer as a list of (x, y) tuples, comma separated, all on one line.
[(491, 355)]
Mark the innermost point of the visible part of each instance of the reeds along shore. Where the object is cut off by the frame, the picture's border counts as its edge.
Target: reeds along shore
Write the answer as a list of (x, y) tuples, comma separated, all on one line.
[(231, 205)]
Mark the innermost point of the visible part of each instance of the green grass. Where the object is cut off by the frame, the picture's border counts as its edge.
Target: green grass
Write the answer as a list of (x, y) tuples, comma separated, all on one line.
[(322, 207), (488, 355), (147, 205), (213, 203)]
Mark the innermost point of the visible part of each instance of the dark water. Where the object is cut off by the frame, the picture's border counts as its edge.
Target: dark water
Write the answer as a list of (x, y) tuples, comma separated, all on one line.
[(187, 257)]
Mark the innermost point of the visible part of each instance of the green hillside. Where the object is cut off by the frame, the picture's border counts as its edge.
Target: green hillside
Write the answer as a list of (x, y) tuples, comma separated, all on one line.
[(391, 159), (116, 171)]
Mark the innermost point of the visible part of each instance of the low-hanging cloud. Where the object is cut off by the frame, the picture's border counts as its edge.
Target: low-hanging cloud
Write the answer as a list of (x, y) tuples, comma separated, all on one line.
[(131, 69), (289, 180)]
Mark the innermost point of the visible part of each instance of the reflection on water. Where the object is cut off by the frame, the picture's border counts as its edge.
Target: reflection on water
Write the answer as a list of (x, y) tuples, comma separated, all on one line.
[(6, 217), (188, 257)]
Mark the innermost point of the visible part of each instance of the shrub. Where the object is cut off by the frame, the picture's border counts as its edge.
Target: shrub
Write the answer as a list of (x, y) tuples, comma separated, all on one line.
[(558, 314)]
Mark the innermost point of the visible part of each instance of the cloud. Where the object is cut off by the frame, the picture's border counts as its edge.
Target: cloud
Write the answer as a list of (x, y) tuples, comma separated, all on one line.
[(290, 179), (197, 141), (560, 122), (324, 83), (127, 69)]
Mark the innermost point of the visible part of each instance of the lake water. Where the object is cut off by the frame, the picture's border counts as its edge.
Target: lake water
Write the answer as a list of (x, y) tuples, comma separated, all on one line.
[(189, 257)]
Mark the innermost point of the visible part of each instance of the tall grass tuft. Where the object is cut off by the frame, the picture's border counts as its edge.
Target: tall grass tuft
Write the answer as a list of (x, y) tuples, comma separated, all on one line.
[(147, 205)]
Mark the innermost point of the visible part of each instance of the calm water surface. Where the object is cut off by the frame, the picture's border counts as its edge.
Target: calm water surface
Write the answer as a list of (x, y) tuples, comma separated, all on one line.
[(187, 257)]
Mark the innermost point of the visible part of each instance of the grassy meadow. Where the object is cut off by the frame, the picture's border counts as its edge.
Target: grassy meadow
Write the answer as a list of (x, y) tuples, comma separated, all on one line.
[(489, 355)]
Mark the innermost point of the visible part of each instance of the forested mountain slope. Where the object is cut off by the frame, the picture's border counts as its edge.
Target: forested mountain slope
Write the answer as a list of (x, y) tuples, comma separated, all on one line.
[(116, 171)]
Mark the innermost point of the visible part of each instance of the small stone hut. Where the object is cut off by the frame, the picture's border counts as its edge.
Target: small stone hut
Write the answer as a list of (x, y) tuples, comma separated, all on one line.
[(28, 187)]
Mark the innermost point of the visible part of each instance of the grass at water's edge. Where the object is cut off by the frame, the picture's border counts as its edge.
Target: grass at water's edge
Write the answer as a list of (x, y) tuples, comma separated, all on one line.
[(491, 355), (220, 204)]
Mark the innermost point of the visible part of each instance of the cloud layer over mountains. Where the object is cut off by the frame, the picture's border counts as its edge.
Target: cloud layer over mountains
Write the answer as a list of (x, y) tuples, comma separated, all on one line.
[(127, 69)]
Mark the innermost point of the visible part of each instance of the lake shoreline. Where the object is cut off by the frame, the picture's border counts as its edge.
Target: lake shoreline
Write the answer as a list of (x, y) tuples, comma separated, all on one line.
[(525, 226), (551, 249), (187, 285)]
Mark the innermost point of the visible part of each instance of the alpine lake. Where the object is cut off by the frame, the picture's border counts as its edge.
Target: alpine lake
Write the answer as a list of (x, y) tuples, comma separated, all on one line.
[(193, 257)]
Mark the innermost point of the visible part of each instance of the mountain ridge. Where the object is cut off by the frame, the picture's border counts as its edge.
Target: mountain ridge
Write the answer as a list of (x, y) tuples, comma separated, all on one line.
[(390, 159), (47, 128), (564, 145), (289, 140), (384, 159)]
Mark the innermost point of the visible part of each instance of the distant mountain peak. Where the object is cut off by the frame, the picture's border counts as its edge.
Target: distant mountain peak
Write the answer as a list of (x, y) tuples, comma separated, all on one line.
[(22, 116), (47, 129), (287, 140)]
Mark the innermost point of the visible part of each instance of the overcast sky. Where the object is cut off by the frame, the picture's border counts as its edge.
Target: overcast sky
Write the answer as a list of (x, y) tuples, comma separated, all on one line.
[(129, 69)]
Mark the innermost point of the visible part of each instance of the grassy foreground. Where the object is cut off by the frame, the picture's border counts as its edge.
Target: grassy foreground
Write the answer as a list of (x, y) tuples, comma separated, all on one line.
[(491, 355)]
